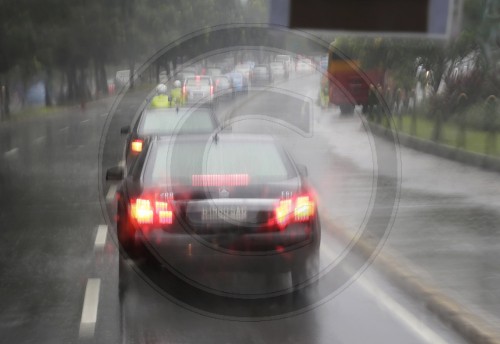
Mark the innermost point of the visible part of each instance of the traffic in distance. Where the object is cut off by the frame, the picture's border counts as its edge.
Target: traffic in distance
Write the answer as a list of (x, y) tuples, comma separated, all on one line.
[(187, 179)]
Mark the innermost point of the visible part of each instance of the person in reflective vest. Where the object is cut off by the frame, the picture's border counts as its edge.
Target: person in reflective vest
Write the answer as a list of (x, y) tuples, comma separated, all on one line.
[(161, 99), (176, 98)]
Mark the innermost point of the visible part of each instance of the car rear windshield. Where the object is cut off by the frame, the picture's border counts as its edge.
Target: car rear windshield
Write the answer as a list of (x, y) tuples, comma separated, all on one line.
[(276, 64), (260, 70), (262, 162), (169, 121), (198, 82)]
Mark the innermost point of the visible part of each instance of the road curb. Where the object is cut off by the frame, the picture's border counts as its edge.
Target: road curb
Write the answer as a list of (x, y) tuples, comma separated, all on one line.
[(438, 149), (471, 327)]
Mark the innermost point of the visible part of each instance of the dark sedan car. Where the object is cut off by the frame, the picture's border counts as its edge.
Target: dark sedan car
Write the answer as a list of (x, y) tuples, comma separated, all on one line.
[(223, 201), (261, 75), (166, 121)]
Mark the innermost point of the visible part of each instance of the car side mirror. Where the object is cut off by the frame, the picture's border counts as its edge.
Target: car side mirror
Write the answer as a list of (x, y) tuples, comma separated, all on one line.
[(125, 130), (115, 173), (302, 170)]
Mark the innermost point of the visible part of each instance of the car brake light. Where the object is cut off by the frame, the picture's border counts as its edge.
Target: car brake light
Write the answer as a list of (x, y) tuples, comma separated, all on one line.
[(197, 78), (211, 90), (184, 90), (300, 209), (136, 146), (304, 209), (164, 215), (144, 213), (283, 211), (220, 180)]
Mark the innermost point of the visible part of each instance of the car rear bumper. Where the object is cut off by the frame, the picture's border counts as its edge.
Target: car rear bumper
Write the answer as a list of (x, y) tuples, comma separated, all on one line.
[(254, 252)]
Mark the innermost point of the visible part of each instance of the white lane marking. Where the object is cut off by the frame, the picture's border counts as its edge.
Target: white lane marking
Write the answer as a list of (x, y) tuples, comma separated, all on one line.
[(11, 152), (64, 128), (38, 140), (400, 313), (84, 121), (110, 196), (103, 114), (121, 163), (100, 238), (90, 306)]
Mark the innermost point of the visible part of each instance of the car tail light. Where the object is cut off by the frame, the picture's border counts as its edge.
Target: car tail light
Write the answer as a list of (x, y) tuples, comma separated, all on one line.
[(184, 90), (304, 209), (299, 209), (165, 215), (136, 146), (142, 211), (283, 211), (211, 90), (147, 212)]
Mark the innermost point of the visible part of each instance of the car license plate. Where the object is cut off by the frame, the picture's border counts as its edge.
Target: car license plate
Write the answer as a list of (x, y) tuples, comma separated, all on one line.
[(217, 214)]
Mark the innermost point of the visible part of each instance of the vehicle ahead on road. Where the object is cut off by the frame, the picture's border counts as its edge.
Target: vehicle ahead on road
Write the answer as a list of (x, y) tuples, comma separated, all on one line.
[(223, 88), (348, 87), (239, 82), (279, 71), (286, 59), (244, 68), (166, 121), (185, 73), (304, 66), (261, 75), (240, 194), (198, 88)]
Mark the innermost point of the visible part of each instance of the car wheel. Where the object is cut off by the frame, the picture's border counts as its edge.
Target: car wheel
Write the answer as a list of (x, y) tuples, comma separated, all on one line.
[(125, 232), (306, 266), (304, 270)]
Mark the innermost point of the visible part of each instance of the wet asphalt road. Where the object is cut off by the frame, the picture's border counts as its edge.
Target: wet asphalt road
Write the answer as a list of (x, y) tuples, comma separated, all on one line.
[(51, 212)]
